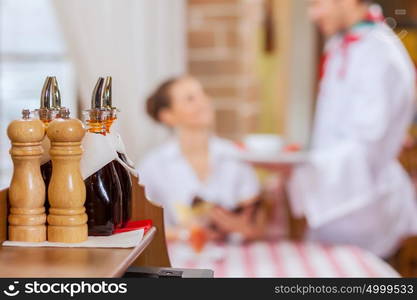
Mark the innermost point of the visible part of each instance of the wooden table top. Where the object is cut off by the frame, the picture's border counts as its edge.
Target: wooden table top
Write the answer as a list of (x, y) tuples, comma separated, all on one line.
[(69, 262)]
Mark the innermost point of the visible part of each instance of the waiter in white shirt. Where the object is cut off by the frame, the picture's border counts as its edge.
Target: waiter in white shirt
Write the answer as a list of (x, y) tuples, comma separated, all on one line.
[(353, 189)]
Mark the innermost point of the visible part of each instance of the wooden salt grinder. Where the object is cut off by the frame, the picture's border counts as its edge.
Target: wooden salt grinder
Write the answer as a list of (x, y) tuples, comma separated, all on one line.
[(66, 193), (27, 190)]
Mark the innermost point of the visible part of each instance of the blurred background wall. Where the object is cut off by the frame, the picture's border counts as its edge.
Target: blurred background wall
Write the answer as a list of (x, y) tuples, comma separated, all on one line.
[(222, 51), (138, 42), (31, 47), (257, 59)]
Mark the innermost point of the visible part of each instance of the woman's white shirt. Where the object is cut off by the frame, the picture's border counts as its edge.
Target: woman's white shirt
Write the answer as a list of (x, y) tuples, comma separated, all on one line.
[(169, 179)]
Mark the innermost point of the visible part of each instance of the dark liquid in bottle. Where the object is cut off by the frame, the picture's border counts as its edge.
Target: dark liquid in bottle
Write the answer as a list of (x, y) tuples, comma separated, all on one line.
[(103, 201), (46, 171), (126, 184)]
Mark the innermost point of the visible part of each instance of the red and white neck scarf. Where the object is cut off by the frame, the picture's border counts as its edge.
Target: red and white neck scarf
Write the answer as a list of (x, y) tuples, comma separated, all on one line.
[(351, 36)]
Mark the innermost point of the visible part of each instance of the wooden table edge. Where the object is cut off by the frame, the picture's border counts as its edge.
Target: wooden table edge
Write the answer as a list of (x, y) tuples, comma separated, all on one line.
[(135, 253)]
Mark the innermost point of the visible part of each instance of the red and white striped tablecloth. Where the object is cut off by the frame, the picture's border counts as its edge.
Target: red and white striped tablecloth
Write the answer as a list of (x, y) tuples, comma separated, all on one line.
[(281, 259)]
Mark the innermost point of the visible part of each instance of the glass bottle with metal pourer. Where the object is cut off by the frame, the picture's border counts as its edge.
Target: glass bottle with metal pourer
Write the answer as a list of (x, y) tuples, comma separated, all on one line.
[(122, 172), (103, 190)]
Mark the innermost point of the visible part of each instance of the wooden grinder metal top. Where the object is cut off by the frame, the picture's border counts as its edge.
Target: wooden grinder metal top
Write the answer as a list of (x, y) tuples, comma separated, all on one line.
[(27, 189), (67, 218)]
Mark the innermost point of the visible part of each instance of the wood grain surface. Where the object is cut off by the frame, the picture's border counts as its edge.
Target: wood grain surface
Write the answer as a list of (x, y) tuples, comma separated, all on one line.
[(87, 262), (156, 255), (69, 262)]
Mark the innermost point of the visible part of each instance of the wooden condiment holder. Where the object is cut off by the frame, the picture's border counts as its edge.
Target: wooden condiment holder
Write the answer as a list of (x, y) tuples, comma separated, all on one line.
[(67, 218), (27, 190)]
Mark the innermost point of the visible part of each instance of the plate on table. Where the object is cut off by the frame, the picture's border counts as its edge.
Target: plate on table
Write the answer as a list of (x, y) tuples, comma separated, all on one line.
[(270, 149), (274, 158)]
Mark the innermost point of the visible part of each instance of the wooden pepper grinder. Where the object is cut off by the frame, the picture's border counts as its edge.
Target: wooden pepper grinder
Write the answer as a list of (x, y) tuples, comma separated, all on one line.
[(27, 190), (67, 220)]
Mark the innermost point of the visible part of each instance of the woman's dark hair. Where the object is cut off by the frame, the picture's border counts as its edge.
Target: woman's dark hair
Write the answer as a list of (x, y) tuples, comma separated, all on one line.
[(160, 99)]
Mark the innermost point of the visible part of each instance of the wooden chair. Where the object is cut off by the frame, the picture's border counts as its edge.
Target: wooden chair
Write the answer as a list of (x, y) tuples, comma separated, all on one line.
[(156, 254), (405, 261)]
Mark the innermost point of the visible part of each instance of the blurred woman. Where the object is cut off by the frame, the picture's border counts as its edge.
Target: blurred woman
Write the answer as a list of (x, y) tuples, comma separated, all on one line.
[(196, 166)]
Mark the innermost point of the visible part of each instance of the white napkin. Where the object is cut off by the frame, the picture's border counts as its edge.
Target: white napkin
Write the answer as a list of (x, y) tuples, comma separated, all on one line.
[(128, 239), (99, 150), (121, 148)]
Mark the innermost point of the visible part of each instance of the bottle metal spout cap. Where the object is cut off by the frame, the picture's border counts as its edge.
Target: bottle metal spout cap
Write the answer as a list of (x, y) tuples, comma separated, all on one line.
[(107, 93), (98, 93), (50, 95), (107, 98), (55, 94), (45, 94)]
